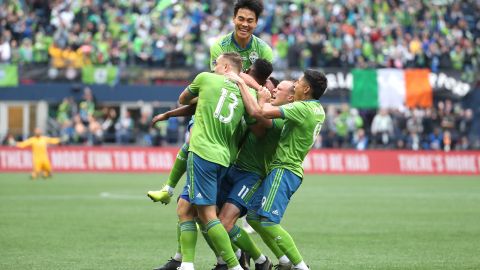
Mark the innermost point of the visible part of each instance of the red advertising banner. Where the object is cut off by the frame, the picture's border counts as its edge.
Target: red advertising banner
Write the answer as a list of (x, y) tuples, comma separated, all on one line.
[(142, 159)]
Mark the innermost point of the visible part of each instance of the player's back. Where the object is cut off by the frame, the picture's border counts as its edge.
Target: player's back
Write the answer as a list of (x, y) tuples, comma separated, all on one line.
[(219, 112)]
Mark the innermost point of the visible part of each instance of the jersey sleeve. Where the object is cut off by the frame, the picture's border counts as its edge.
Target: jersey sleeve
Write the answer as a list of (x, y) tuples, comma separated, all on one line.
[(266, 52), (215, 51), (53, 140), (194, 87), (296, 112), (25, 143)]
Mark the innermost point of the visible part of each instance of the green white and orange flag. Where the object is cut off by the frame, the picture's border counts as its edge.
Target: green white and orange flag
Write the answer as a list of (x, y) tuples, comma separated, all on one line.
[(391, 88)]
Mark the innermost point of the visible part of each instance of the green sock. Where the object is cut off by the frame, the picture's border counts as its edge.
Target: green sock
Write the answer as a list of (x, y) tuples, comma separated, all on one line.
[(284, 241), (179, 233), (220, 240), (179, 167), (254, 221), (188, 239), (241, 239), (203, 229)]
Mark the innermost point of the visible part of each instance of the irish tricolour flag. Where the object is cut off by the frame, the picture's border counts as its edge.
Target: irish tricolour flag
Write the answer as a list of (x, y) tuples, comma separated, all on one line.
[(391, 88)]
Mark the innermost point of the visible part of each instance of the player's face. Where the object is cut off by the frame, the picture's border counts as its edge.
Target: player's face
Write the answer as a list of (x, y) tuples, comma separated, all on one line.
[(245, 23), (37, 132), (282, 94), (269, 85), (301, 87)]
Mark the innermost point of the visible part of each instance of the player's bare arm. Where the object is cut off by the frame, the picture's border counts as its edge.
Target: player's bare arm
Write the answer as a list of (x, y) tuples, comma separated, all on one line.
[(250, 81), (186, 110), (186, 98), (269, 111)]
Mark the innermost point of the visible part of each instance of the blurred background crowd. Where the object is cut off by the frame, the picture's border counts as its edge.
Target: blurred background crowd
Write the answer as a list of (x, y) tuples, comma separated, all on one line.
[(314, 33), (437, 34)]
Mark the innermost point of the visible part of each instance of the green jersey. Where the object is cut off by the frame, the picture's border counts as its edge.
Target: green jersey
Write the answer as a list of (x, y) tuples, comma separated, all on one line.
[(240, 137), (255, 49), (256, 154), (303, 121), (219, 112)]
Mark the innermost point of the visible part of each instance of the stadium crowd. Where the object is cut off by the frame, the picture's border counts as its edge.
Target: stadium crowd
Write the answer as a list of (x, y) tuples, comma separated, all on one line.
[(314, 33)]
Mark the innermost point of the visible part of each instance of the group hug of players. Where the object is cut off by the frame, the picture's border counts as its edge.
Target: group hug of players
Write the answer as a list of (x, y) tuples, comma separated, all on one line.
[(248, 139)]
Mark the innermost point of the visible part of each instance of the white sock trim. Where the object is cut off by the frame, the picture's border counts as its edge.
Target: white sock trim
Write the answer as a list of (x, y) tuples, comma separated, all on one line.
[(260, 259), (283, 260), (178, 257), (302, 265)]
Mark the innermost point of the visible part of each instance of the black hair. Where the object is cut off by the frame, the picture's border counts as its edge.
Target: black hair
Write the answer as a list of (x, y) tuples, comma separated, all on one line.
[(274, 81), (254, 5), (317, 82), (260, 70)]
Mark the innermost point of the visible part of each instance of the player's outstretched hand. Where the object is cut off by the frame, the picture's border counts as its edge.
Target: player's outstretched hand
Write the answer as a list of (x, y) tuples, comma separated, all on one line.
[(158, 118), (264, 95)]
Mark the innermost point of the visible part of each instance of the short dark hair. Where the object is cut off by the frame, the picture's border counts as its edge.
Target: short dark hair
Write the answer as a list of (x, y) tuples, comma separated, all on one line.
[(317, 81), (235, 59), (274, 81), (254, 5), (260, 70)]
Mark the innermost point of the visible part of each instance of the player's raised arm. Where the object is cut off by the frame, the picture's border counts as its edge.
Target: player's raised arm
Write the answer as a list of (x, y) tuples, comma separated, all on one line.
[(53, 140), (25, 143), (186, 110), (186, 97), (251, 105), (250, 81), (190, 94)]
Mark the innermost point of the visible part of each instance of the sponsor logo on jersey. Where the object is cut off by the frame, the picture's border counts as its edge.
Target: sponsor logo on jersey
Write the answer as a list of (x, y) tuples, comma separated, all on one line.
[(253, 57)]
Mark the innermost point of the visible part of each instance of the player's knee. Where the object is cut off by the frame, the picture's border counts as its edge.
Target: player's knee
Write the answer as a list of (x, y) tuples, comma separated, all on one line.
[(184, 210)]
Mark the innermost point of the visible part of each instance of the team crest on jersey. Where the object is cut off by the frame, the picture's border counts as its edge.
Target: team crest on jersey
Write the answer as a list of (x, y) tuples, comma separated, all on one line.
[(253, 57)]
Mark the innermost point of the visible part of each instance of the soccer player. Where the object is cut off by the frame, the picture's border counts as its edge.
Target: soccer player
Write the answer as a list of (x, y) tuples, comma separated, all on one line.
[(40, 160), (246, 175), (260, 72), (218, 115), (303, 121), (251, 48), (242, 40)]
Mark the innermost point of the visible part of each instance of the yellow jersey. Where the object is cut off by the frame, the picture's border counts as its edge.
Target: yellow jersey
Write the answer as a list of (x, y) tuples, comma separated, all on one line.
[(39, 145)]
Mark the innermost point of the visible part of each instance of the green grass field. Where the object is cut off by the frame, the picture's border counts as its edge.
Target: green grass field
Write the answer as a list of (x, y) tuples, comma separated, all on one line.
[(105, 221)]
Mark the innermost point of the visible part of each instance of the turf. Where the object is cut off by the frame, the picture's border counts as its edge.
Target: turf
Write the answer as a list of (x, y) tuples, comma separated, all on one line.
[(105, 221)]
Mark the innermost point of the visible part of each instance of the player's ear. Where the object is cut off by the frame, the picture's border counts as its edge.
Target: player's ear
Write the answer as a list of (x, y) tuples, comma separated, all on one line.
[(291, 98), (307, 90)]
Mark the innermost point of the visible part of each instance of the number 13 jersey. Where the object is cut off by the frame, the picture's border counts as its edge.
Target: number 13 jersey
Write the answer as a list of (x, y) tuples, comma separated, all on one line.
[(219, 112)]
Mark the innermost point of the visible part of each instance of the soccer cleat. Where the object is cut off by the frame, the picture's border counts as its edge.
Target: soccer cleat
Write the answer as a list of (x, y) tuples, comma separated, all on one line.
[(164, 195), (244, 261), (171, 264), (282, 266), (266, 265), (220, 267)]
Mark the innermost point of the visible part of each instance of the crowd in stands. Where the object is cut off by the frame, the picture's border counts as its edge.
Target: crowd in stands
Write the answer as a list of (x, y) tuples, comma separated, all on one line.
[(87, 123), (447, 126), (439, 34)]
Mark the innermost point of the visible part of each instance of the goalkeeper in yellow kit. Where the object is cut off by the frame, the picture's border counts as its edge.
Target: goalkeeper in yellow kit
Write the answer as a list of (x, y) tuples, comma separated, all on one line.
[(40, 160)]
